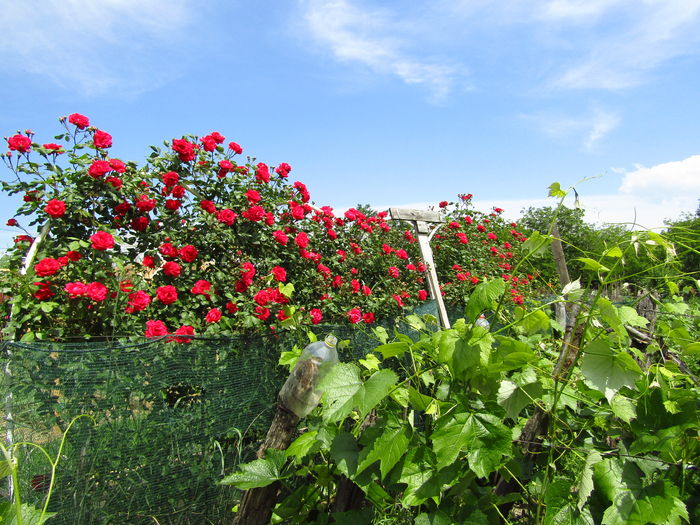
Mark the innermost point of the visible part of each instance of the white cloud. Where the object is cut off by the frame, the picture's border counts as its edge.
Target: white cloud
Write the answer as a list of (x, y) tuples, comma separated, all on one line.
[(590, 128), (94, 47), (379, 40), (678, 177)]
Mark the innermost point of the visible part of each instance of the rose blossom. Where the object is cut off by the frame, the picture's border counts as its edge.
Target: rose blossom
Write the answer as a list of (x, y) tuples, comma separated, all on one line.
[(44, 292), (55, 148), (279, 273), (12, 222), (148, 261), (81, 121), (172, 269), (76, 289), (213, 316), (354, 315), (172, 204), (188, 253), (96, 291), (280, 237), (115, 182), (184, 149), (201, 287), (301, 240), (235, 147), (252, 196), (19, 143), (117, 165), (168, 250), (393, 271), (102, 241), (167, 294), (368, 317), (254, 213), (99, 168), (226, 216), (155, 329), (73, 255), (102, 139), (47, 266), (316, 315), (262, 172), (283, 170), (140, 224), (138, 301), (55, 208), (208, 206)]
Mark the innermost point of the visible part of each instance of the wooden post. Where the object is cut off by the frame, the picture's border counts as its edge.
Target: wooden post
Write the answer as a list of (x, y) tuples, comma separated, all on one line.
[(257, 504), (421, 224)]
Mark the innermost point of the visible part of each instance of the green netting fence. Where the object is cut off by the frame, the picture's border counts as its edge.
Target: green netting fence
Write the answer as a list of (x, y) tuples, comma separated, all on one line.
[(167, 421)]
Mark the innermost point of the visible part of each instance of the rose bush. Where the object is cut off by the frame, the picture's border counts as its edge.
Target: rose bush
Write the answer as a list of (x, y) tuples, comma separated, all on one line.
[(199, 240)]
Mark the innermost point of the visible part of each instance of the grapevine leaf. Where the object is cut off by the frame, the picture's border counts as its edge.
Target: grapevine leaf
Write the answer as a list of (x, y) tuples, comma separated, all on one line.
[(483, 297), (374, 390), (388, 448), (339, 386), (514, 397), (344, 452), (258, 473), (300, 446), (586, 481), (606, 370)]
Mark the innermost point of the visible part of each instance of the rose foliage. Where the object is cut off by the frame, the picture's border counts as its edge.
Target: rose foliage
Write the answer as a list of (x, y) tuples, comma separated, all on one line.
[(199, 240)]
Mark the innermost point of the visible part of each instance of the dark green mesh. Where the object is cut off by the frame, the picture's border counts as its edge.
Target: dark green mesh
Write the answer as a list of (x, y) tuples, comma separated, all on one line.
[(169, 420)]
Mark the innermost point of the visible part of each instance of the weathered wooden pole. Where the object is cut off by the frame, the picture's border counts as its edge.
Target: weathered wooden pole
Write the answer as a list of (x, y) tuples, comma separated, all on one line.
[(298, 397), (421, 224)]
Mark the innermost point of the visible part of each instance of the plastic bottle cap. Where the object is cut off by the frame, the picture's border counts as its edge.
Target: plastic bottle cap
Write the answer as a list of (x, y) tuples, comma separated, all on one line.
[(331, 340)]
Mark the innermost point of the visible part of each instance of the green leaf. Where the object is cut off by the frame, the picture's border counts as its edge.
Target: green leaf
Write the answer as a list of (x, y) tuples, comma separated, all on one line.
[(592, 264), (415, 322), (556, 191), (374, 390), (629, 315), (484, 296), (623, 407), (585, 486), (345, 452), (606, 370), (484, 438), (657, 503), (520, 392), (433, 518), (387, 448), (614, 252), (301, 445), (5, 469), (537, 245), (30, 514), (339, 386), (370, 362), (388, 350), (418, 401), (258, 473), (531, 322), (289, 358), (381, 334)]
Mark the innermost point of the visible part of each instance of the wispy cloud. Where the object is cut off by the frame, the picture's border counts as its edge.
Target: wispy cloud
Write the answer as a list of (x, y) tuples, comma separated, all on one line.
[(94, 47), (589, 128), (379, 40)]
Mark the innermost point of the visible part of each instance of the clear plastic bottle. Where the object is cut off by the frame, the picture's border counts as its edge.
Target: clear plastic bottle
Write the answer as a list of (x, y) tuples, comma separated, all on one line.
[(300, 393), (483, 322)]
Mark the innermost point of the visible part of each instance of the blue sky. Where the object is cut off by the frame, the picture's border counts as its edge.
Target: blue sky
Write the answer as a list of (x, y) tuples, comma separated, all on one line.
[(386, 103)]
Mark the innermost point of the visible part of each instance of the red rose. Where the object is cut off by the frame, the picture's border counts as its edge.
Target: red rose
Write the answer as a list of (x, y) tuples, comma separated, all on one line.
[(47, 266), (301, 240), (145, 204), (156, 329), (19, 143), (102, 241), (354, 315), (254, 213), (116, 182), (81, 121), (44, 292), (172, 269), (208, 143), (184, 149), (12, 222), (179, 192), (117, 165), (252, 196), (208, 206), (55, 208), (167, 294), (262, 313), (102, 139), (74, 256), (235, 147), (96, 291), (262, 172), (316, 315), (393, 271), (139, 224), (138, 301), (168, 250), (422, 295), (368, 317), (231, 308), (55, 148), (280, 237), (279, 273), (226, 216), (76, 289), (213, 316), (148, 261), (201, 287), (443, 204), (172, 204), (170, 178), (184, 334), (99, 168), (283, 170), (188, 253)]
